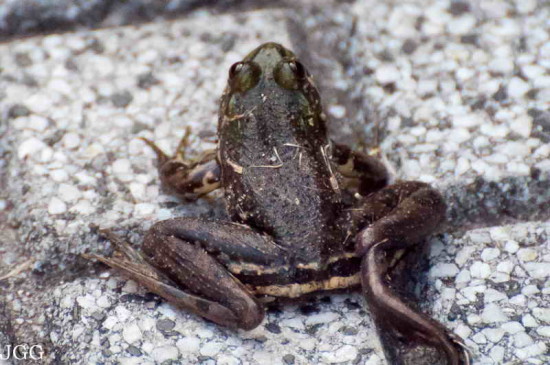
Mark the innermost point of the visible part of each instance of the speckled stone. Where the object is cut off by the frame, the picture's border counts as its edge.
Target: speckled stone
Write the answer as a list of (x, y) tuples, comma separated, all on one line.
[(458, 93)]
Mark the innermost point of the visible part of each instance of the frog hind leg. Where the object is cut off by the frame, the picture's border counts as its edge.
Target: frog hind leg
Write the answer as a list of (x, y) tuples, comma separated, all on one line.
[(182, 262), (132, 265), (403, 215)]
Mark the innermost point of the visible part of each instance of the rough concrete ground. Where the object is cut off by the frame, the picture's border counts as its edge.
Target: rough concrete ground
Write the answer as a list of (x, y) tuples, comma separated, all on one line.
[(460, 94)]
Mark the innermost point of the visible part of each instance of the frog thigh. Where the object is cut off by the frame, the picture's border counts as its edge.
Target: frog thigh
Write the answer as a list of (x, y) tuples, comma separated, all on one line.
[(231, 243), (133, 265), (403, 215), (182, 261), (249, 257), (204, 258)]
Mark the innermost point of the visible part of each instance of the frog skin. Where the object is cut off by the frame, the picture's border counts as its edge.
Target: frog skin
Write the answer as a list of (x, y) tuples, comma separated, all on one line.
[(306, 215)]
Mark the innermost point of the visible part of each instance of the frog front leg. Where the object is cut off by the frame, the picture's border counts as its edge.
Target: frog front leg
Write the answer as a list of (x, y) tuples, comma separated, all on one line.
[(187, 179), (369, 171), (403, 215), (195, 263)]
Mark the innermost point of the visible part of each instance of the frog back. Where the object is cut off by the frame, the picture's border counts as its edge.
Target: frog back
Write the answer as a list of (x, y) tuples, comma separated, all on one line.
[(280, 182)]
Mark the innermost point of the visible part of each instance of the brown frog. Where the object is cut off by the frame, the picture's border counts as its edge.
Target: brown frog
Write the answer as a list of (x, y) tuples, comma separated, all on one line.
[(306, 215)]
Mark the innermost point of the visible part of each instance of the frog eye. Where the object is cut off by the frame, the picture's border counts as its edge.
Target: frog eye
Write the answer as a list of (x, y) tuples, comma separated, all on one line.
[(298, 69), (290, 74), (235, 68), (244, 76)]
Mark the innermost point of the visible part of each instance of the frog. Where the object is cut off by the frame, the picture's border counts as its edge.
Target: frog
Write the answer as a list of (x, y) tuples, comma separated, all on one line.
[(306, 215)]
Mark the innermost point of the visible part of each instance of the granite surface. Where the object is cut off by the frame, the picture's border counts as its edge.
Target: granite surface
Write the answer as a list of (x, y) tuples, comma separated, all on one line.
[(456, 94)]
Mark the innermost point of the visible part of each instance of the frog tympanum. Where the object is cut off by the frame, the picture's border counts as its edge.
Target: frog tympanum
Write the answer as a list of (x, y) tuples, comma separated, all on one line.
[(306, 215)]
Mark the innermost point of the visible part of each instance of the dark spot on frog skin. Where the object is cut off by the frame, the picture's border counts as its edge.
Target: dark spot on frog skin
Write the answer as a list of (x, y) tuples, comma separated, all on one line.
[(202, 306)]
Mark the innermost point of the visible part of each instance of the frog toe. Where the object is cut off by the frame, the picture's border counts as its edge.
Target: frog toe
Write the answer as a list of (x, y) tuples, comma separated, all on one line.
[(162, 157)]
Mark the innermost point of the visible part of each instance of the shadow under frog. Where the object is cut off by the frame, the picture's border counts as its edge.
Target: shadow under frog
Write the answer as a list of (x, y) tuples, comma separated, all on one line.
[(306, 215)]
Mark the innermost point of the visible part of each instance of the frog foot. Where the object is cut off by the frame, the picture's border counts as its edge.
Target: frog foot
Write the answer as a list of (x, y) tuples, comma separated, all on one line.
[(188, 179), (162, 157)]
